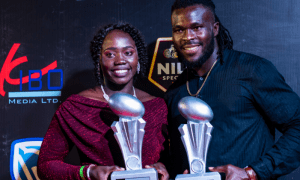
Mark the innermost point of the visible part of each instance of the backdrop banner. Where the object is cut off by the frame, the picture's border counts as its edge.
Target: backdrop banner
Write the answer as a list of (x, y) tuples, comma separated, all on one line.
[(45, 57)]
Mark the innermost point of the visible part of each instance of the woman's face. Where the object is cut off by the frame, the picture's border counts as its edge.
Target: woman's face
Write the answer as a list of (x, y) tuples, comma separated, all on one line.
[(119, 57)]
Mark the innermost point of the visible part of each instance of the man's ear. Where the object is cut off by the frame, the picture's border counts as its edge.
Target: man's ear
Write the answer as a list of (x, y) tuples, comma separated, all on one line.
[(216, 28)]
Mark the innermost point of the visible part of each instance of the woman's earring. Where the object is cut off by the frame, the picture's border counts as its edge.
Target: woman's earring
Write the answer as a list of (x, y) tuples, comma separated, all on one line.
[(138, 68)]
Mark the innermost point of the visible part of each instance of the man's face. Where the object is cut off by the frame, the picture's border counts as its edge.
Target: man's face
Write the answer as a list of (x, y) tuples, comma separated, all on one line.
[(194, 31)]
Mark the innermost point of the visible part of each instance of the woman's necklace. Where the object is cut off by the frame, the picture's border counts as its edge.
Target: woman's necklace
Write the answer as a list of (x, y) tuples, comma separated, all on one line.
[(106, 97), (187, 82)]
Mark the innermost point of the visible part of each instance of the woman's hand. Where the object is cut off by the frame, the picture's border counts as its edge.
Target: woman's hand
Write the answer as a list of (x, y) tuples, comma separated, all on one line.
[(232, 172), (161, 170), (102, 172)]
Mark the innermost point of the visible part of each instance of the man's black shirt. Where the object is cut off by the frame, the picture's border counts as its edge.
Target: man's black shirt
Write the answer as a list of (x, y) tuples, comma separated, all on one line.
[(249, 99)]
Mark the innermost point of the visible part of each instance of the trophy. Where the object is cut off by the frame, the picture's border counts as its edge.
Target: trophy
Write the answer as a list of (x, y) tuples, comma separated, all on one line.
[(195, 136), (129, 133)]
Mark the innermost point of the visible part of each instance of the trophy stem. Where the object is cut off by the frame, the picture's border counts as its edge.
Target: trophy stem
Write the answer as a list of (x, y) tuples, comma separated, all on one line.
[(125, 127), (129, 135)]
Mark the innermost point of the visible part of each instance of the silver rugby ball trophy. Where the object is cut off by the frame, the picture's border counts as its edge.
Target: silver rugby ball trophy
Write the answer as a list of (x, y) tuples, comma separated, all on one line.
[(129, 133), (195, 136)]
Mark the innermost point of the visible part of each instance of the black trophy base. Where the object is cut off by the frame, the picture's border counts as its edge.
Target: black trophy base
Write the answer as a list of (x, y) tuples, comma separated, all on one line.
[(143, 174), (205, 176)]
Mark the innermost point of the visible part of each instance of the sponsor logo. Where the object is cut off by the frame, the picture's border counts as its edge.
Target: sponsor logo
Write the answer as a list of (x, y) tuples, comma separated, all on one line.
[(165, 67), (170, 53), (34, 80), (23, 158)]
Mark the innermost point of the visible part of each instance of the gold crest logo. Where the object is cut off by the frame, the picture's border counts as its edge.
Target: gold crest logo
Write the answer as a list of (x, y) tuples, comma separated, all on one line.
[(165, 67)]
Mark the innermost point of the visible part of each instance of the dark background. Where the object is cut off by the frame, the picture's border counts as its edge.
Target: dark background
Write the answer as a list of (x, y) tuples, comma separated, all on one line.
[(61, 30)]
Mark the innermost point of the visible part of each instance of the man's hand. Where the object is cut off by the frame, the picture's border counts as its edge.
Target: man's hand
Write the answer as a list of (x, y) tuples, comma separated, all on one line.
[(102, 172), (232, 172), (161, 170)]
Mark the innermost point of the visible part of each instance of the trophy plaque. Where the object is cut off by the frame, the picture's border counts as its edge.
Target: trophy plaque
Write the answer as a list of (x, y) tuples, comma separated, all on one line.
[(195, 136), (129, 133)]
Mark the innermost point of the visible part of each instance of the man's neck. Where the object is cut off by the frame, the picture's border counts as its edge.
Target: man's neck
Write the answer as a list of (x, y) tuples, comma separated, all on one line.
[(208, 64)]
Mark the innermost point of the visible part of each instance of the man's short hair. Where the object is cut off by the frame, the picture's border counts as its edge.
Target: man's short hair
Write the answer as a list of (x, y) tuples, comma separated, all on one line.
[(178, 4)]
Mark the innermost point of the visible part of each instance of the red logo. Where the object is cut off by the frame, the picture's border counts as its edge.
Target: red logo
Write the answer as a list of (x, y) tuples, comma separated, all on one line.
[(10, 64)]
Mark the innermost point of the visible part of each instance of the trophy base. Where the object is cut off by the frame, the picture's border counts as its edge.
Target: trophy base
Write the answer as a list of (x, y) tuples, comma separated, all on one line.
[(143, 174), (205, 176)]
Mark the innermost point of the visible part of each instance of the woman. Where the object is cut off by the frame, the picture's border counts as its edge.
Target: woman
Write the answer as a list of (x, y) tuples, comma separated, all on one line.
[(84, 120)]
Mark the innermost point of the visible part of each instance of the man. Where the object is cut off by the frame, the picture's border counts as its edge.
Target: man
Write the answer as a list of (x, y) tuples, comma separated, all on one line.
[(247, 94)]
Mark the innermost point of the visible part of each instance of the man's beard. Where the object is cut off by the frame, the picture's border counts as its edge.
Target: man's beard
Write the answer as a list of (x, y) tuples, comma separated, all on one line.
[(207, 52)]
